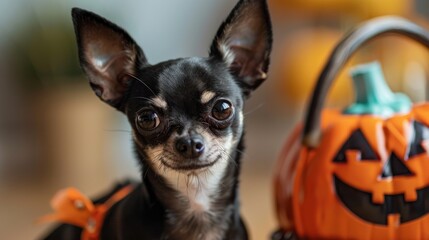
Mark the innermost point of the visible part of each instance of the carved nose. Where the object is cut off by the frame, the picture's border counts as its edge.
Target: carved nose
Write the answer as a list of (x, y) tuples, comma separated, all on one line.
[(395, 167), (190, 147)]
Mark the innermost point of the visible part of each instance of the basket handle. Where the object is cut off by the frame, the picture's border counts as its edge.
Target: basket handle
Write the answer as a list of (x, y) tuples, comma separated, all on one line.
[(342, 53)]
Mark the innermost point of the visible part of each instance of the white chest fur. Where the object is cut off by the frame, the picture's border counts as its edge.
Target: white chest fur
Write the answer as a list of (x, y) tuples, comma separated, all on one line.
[(198, 188)]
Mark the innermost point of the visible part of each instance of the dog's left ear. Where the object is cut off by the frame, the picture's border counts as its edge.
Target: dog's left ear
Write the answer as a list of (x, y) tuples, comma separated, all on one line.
[(244, 43)]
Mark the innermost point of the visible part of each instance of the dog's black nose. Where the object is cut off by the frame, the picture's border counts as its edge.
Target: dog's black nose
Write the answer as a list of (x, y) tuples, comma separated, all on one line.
[(190, 147)]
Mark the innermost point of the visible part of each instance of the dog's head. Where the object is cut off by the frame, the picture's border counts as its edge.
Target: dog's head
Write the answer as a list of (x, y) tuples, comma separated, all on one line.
[(186, 114)]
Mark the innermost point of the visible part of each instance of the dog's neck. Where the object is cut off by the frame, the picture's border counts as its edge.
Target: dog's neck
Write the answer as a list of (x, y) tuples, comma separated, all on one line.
[(200, 205)]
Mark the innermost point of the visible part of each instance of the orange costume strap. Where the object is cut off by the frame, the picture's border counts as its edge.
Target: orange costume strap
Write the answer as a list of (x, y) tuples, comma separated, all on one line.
[(72, 207)]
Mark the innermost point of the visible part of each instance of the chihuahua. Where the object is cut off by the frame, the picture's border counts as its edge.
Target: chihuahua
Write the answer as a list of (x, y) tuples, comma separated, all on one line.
[(187, 124)]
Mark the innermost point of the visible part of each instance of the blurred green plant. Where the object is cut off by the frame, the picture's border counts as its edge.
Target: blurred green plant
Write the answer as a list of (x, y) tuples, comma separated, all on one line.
[(45, 54)]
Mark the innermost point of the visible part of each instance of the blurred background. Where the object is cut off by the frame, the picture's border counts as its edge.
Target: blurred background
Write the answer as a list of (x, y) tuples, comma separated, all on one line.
[(55, 133)]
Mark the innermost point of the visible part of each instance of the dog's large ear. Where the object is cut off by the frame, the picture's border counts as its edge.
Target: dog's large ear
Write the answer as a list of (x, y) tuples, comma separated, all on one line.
[(108, 55), (244, 42)]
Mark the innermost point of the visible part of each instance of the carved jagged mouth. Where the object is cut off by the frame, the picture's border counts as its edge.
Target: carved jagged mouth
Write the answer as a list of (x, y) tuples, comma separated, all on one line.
[(360, 203)]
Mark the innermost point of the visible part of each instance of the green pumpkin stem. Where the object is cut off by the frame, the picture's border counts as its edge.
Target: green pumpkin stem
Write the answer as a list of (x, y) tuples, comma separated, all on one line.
[(373, 95)]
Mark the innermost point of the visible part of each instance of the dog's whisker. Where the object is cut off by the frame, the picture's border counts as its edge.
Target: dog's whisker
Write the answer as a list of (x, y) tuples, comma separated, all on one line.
[(237, 150), (230, 158), (139, 80), (178, 180), (146, 171), (187, 185), (205, 173), (225, 153), (219, 145), (253, 110), (145, 98), (240, 151), (199, 187)]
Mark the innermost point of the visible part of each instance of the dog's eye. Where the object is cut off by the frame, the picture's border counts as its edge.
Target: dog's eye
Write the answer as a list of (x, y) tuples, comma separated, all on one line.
[(148, 120), (222, 110)]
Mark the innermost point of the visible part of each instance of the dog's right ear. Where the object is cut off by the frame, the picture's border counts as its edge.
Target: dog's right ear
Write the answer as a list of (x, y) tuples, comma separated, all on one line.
[(108, 55)]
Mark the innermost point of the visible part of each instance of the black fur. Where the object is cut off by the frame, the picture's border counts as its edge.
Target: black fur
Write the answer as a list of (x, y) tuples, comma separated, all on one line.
[(169, 95)]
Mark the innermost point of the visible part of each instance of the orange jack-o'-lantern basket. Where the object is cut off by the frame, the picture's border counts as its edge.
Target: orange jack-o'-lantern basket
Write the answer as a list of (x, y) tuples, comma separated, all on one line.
[(363, 172)]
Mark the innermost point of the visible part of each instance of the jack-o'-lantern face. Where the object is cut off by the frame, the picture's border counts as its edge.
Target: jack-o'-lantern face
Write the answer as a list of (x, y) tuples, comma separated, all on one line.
[(368, 178), (397, 186)]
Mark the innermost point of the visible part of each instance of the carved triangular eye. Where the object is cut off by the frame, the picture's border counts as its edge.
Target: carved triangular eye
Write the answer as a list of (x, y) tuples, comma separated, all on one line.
[(358, 142), (421, 133), (395, 167)]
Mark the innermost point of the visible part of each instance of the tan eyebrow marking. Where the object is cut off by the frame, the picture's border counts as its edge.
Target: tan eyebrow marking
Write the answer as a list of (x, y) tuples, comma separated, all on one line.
[(159, 102), (207, 96)]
